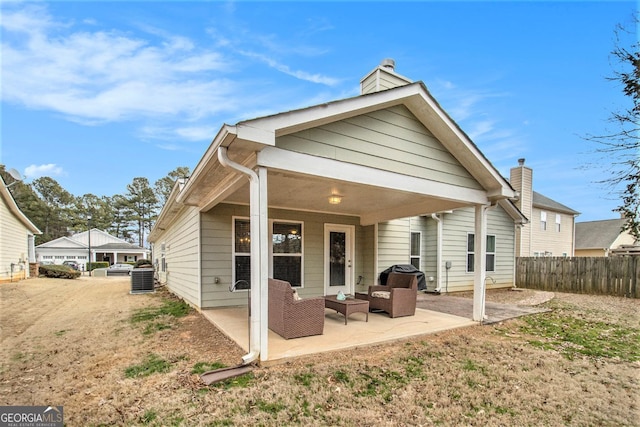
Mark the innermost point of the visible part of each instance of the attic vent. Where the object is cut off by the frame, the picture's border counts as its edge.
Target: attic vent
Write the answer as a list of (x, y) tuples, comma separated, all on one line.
[(388, 63)]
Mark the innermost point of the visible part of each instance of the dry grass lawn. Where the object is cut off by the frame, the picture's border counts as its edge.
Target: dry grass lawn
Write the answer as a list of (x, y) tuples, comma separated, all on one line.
[(111, 358)]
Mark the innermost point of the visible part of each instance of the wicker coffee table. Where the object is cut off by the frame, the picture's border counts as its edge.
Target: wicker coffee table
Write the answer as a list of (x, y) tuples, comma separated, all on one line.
[(347, 307)]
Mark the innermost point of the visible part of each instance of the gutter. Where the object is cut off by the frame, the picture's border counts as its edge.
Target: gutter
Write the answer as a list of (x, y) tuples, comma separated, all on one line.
[(254, 310)]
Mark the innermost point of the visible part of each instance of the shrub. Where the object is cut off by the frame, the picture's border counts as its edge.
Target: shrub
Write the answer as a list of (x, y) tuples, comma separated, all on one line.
[(58, 272), (97, 264), (143, 263)]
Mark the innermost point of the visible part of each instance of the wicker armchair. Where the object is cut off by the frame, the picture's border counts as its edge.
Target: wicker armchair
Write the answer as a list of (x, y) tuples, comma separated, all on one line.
[(292, 318), (398, 297)]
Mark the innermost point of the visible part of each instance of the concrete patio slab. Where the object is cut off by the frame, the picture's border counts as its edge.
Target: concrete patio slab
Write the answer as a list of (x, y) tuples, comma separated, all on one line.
[(463, 307), (337, 336)]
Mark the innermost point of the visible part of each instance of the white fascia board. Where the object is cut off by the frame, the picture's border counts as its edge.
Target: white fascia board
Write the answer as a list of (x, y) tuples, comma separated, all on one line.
[(293, 121), (13, 207), (305, 164), (224, 137), (56, 244), (513, 212), (246, 131)]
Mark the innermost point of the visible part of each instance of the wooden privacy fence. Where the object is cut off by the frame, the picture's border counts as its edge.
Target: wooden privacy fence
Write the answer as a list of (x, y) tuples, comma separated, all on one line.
[(617, 276)]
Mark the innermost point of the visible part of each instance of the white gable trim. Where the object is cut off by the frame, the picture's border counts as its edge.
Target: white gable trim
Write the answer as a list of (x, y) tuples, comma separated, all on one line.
[(62, 243), (276, 158)]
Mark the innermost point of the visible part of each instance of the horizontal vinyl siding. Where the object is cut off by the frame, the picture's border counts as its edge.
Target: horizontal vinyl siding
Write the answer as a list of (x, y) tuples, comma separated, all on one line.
[(181, 242), (550, 240), (390, 139), (429, 243), (365, 253), (393, 243), (13, 243), (217, 228), (456, 227)]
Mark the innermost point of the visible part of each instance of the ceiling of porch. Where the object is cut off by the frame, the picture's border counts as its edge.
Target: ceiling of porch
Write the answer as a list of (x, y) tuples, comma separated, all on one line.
[(372, 204)]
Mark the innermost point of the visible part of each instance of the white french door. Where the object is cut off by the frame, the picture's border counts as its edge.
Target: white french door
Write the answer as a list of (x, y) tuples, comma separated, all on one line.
[(339, 249)]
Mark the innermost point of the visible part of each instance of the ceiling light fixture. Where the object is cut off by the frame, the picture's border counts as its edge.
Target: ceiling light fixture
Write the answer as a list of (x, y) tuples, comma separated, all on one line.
[(335, 199)]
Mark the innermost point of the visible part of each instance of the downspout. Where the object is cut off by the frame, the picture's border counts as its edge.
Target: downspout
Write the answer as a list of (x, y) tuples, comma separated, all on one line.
[(516, 228), (254, 317), (438, 252)]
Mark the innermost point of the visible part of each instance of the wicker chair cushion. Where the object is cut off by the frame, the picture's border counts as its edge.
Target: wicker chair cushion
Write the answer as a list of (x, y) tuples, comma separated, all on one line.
[(381, 294)]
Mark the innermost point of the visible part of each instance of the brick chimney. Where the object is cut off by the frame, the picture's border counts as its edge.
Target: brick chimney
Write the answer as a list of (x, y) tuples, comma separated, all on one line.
[(383, 77)]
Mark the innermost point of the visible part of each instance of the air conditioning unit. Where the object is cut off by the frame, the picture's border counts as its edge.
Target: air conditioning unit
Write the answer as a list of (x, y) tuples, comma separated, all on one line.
[(142, 280)]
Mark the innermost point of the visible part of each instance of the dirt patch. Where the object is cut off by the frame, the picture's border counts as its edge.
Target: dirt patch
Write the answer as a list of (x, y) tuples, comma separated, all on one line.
[(70, 342)]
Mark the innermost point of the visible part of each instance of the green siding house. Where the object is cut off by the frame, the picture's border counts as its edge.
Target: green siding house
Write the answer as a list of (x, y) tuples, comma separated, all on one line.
[(329, 196)]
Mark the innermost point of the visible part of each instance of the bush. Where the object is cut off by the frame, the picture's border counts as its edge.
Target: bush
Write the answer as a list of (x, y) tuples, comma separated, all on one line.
[(58, 272), (97, 264), (143, 263)]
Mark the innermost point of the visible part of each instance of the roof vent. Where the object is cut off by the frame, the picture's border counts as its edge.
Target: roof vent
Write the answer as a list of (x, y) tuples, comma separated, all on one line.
[(388, 63), (521, 162)]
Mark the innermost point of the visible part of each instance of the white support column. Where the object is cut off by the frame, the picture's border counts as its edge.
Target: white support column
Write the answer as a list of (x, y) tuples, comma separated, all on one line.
[(264, 264), (258, 243), (480, 262)]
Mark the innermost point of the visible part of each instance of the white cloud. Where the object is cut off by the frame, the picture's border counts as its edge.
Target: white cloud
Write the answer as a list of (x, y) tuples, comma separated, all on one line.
[(107, 76), (183, 133), (37, 171), (299, 74)]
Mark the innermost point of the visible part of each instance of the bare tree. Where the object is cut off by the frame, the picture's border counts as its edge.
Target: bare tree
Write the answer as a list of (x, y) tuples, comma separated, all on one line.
[(622, 143)]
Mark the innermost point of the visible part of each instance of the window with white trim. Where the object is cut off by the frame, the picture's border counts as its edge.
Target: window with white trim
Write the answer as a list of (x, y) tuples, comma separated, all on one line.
[(490, 249), (242, 253), (558, 218), (286, 260), (416, 239), (543, 220), (286, 252)]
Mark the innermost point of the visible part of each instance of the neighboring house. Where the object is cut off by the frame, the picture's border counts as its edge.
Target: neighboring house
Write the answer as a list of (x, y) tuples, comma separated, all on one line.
[(329, 196), (104, 247), (551, 227), (17, 234), (604, 238)]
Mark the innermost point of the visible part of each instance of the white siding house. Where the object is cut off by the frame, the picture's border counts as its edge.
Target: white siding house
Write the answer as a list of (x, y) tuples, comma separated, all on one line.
[(100, 245), (16, 238), (329, 196)]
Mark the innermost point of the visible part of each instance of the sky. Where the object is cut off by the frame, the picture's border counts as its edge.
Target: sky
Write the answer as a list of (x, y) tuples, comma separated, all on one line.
[(94, 94)]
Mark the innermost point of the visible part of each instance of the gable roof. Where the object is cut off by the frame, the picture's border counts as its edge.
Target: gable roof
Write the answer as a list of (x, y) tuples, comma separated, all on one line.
[(210, 183), (6, 196), (97, 236), (598, 234), (415, 97), (80, 241), (540, 201), (62, 243)]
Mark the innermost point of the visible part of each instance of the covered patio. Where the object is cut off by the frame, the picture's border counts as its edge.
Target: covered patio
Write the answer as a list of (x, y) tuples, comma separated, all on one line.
[(357, 333), (345, 169)]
